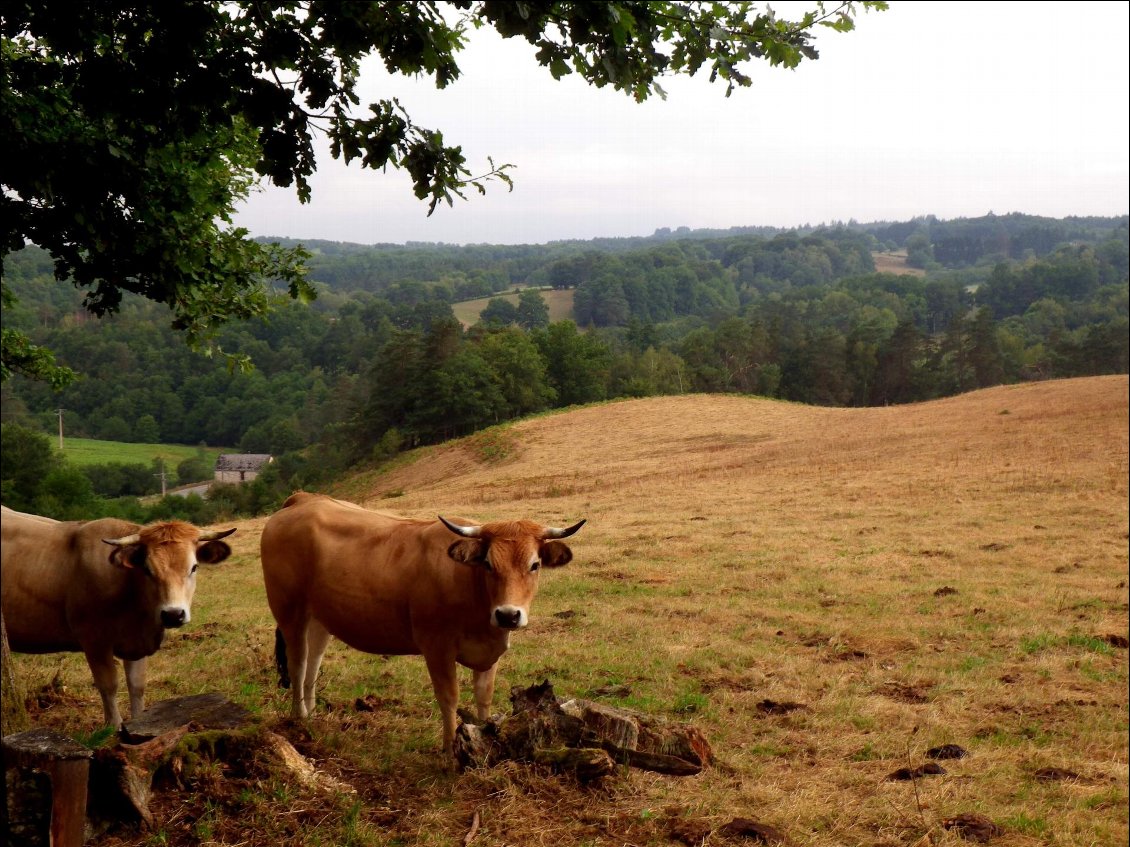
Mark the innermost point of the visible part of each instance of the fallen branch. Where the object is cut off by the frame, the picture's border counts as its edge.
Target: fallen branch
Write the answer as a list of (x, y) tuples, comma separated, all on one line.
[(473, 831)]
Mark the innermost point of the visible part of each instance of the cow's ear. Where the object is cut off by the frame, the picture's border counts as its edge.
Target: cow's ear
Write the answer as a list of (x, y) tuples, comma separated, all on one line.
[(469, 551), (212, 552), (130, 556), (554, 554)]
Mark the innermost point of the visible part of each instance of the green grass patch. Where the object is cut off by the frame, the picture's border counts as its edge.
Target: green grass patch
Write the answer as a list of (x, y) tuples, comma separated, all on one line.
[(1112, 798), (1027, 825), (96, 738), (1088, 642), (90, 451), (1047, 641), (493, 445)]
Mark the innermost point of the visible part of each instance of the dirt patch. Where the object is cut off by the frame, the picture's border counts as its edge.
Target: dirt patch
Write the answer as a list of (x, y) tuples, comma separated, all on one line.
[(903, 693)]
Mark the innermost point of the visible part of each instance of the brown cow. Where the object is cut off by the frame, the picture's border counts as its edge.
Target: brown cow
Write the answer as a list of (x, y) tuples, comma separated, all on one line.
[(64, 589), (451, 591)]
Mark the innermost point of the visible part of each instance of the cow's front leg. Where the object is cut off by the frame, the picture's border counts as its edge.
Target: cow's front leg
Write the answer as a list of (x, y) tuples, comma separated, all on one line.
[(135, 683), (445, 684), (105, 672), (484, 691)]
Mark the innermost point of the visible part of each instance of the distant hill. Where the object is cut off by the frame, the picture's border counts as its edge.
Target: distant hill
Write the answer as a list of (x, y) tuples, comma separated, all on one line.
[(722, 454)]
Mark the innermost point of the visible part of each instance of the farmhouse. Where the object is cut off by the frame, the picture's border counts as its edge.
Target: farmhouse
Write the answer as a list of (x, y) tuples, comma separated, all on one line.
[(240, 467)]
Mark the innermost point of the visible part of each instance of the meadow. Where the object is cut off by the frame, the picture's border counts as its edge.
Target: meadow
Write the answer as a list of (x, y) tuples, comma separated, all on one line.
[(825, 593), (89, 451), (559, 303)]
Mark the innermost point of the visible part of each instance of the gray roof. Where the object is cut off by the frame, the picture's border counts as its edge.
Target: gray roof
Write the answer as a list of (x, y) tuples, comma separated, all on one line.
[(242, 461)]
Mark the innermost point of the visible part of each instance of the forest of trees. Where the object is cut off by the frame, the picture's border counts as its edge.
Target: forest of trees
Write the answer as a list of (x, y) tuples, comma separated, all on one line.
[(379, 363)]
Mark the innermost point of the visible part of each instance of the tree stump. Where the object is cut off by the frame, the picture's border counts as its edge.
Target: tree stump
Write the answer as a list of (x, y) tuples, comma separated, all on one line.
[(581, 737), (123, 774), (123, 780), (173, 741), (205, 711), (45, 778)]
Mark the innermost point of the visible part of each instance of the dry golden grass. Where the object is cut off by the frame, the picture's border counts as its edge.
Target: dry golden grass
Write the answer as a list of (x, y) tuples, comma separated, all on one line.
[(559, 303), (895, 263), (740, 550)]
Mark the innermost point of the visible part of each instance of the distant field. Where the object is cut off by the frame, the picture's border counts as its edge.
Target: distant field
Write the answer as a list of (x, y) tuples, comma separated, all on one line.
[(89, 451), (560, 305), (895, 263)]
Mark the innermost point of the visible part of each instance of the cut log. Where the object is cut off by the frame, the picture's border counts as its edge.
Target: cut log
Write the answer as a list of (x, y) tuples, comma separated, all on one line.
[(542, 728), (45, 776)]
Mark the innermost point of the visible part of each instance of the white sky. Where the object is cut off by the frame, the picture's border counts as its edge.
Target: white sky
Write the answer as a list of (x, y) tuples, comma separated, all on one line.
[(947, 108)]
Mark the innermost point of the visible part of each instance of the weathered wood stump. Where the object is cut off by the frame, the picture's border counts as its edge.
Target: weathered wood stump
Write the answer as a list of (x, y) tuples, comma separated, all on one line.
[(171, 741), (123, 780), (45, 779), (123, 774), (581, 737), (203, 711)]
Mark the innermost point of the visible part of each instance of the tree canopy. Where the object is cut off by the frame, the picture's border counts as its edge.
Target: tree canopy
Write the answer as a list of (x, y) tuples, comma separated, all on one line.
[(132, 130)]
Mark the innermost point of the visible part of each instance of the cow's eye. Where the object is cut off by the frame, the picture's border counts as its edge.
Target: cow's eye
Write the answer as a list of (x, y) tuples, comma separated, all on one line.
[(534, 565), (139, 560), (194, 567)]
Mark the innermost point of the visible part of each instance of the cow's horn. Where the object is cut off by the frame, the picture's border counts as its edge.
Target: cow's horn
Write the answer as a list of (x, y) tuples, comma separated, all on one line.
[(216, 535), (465, 531), (553, 532), (124, 541)]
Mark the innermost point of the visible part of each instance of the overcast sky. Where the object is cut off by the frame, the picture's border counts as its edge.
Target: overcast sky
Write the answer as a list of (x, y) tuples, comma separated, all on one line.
[(946, 108)]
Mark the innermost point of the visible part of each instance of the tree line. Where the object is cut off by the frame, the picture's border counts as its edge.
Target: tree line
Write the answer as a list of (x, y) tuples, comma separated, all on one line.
[(369, 370)]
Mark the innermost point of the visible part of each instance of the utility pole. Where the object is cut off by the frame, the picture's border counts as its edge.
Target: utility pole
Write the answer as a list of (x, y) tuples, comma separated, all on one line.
[(161, 476), (60, 414)]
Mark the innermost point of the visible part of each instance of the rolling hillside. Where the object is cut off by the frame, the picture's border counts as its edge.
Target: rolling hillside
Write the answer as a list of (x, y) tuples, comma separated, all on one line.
[(827, 594)]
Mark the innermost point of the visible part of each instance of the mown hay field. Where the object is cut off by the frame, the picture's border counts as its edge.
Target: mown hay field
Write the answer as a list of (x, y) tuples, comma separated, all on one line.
[(558, 301), (827, 594)]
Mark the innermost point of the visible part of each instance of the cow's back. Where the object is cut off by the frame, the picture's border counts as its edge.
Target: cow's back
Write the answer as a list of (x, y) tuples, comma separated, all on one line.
[(50, 572)]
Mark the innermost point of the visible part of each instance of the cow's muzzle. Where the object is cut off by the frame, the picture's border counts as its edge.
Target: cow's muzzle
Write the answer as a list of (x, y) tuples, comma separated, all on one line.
[(509, 617), (173, 618)]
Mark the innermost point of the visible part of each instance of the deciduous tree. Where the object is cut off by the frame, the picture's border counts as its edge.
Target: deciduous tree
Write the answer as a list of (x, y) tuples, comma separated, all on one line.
[(132, 130)]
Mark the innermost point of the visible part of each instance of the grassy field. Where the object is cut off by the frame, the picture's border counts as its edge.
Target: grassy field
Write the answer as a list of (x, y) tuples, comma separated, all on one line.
[(952, 572), (895, 263), (560, 304), (88, 451)]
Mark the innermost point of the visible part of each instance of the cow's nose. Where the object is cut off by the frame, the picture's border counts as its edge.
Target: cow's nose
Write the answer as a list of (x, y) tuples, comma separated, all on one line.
[(508, 618), (173, 618)]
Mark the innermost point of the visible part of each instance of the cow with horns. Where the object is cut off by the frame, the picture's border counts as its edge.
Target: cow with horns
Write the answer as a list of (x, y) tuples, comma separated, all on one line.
[(449, 590), (107, 588)]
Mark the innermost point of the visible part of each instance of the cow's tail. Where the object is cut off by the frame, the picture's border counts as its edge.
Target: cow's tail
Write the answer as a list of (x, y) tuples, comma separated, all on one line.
[(280, 659)]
